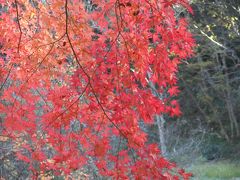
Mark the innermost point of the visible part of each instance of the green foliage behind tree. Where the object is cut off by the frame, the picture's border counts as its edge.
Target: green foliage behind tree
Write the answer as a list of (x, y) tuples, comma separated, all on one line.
[(210, 82)]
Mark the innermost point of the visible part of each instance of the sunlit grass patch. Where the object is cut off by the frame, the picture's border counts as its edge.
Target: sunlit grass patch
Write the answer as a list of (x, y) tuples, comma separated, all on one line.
[(216, 170)]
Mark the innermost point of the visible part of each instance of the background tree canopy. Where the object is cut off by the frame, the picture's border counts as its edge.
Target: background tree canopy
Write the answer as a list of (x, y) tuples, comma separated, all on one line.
[(210, 82)]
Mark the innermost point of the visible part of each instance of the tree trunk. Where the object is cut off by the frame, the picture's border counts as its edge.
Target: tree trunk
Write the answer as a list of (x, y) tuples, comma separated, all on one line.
[(160, 124), (228, 99), (206, 78)]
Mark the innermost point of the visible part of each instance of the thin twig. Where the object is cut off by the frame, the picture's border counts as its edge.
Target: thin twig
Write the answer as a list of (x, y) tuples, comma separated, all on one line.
[(6, 78), (19, 26)]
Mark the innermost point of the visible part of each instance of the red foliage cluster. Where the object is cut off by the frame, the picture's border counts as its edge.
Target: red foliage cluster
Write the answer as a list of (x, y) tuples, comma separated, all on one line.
[(75, 79)]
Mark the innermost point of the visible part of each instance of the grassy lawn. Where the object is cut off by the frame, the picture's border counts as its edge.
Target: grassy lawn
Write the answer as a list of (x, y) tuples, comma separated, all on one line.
[(215, 170)]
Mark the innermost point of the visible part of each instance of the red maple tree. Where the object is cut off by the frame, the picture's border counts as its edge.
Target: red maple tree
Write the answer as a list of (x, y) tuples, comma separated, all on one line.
[(75, 82)]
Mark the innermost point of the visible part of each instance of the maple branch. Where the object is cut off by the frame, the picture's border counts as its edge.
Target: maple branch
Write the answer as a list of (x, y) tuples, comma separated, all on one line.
[(44, 58), (6, 78), (99, 64), (68, 106), (19, 26), (51, 43), (89, 79), (43, 98), (120, 32), (39, 64), (69, 41)]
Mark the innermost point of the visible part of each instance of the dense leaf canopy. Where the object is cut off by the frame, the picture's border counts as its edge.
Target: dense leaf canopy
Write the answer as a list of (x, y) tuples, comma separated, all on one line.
[(75, 83)]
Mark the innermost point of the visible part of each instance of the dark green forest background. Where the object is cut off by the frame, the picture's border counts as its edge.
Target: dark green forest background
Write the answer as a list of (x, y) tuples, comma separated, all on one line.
[(210, 82)]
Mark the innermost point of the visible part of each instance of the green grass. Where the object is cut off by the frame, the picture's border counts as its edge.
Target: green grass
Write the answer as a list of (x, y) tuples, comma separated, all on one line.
[(216, 170)]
